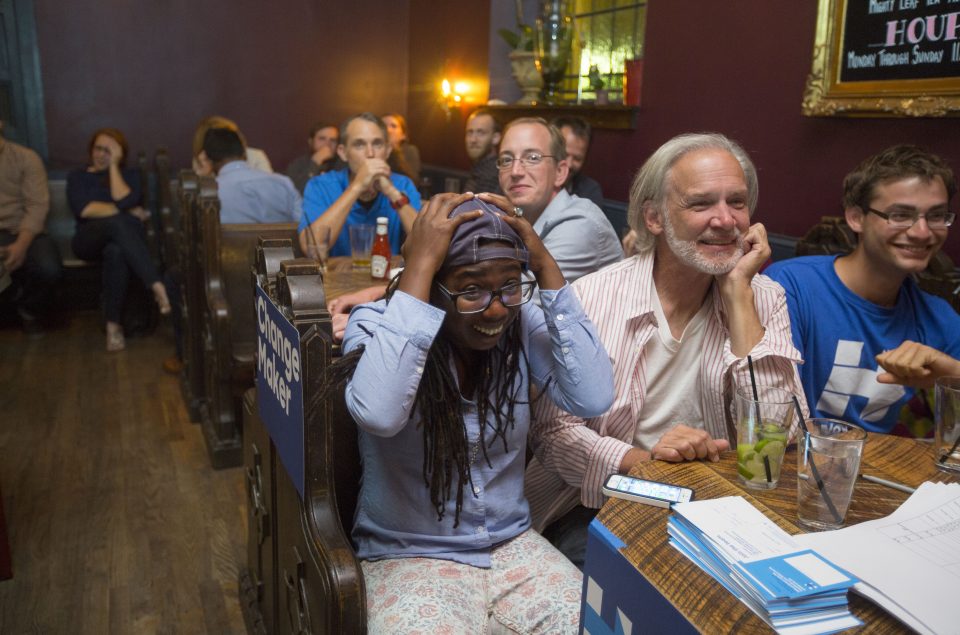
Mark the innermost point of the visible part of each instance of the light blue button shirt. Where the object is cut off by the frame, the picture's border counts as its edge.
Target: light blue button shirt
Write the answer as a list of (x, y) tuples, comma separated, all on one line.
[(248, 195), (395, 517)]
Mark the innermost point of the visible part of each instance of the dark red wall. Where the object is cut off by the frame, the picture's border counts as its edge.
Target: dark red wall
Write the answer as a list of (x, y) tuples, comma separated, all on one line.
[(739, 68), (154, 69)]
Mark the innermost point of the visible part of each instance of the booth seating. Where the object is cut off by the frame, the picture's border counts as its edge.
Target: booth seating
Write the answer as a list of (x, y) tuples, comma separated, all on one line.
[(167, 210), (82, 279), (225, 254), (191, 295), (302, 575), (832, 236)]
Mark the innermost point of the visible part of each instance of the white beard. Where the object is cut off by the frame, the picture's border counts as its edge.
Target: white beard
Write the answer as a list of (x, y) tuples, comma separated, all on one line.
[(687, 252)]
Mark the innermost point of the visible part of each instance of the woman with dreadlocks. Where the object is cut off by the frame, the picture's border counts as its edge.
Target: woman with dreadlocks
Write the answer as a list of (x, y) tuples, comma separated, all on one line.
[(441, 395)]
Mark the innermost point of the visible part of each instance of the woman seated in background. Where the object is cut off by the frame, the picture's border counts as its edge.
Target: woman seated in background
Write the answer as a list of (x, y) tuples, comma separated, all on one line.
[(404, 156), (441, 373), (105, 198), (204, 167)]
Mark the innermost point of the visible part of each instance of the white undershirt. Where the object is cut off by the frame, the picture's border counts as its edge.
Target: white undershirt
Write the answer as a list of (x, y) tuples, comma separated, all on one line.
[(672, 376)]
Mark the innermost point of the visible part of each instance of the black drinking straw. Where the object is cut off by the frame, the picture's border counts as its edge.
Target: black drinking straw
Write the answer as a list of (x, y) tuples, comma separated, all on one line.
[(813, 466), (756, 404), (952, 450)]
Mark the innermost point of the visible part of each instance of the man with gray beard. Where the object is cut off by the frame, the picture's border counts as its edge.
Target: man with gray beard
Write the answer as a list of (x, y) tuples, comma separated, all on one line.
[(679, 320)]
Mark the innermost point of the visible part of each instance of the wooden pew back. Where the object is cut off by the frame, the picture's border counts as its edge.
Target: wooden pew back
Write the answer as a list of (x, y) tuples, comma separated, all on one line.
[(185, 257), (226, 254), (314, 583)]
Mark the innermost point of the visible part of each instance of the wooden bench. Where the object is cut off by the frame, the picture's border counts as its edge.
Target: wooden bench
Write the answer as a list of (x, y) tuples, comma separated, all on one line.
[(302, 575), (192, 382), (81, 285), (226, 253), (167, 210)]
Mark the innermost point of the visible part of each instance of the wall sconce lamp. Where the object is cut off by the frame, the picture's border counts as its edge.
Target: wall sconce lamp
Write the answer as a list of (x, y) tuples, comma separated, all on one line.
[(453, 95)]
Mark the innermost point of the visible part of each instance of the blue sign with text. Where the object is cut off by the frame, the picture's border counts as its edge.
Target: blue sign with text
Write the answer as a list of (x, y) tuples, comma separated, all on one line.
[(280, 385)]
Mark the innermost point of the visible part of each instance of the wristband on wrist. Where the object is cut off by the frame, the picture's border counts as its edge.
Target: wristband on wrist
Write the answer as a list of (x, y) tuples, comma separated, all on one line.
[(400, 202)]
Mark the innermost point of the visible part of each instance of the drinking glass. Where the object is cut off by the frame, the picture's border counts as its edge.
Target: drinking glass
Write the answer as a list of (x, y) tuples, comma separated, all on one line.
[(947, 424), (763, 428), (361, 241), (828, 462), (318, 246)]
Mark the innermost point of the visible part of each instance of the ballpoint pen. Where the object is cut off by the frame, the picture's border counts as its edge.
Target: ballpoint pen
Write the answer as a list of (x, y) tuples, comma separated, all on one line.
[(881, 481)]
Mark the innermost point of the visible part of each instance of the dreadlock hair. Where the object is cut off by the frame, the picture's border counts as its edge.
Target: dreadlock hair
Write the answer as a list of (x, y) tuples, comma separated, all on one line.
[(446, 447)]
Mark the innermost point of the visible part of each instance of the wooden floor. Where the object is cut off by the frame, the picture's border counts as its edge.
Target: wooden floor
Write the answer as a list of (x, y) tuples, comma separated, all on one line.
[(117, 523)]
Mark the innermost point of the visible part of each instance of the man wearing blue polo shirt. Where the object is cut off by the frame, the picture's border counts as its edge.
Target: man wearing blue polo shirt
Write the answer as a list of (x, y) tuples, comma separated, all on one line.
[(869, 336), (357, 195)]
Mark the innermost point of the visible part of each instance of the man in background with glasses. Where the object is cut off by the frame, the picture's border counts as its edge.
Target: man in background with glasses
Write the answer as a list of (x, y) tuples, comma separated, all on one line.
[(869, 336), (533, 170)]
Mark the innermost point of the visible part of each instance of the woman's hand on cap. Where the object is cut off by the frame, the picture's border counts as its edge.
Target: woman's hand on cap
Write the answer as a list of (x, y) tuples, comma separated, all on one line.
[(542, 264), (426, 247)]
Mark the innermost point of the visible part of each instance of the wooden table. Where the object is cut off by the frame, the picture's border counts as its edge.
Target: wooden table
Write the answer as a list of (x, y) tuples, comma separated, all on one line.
[(706, 605), (341, 277)]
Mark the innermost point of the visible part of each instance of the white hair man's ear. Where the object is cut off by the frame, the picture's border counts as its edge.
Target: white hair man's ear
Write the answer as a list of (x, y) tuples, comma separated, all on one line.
[(652, 218)]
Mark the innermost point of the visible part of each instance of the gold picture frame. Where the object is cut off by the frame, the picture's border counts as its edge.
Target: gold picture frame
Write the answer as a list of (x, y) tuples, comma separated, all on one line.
[(825, 95)]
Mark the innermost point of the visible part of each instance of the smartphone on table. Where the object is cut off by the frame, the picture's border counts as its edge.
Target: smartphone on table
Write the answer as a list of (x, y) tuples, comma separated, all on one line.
[(647, 492)]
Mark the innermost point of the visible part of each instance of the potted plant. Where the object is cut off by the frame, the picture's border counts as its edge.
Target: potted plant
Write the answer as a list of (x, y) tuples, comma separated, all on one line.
[(597, 85), (522, 58)]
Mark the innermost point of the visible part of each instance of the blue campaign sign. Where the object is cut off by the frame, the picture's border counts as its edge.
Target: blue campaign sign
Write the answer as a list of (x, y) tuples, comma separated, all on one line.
[(280, 385), (616, 598)]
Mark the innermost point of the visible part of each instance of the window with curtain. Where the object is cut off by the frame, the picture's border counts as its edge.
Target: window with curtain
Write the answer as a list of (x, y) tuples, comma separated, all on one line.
[(609, 32)]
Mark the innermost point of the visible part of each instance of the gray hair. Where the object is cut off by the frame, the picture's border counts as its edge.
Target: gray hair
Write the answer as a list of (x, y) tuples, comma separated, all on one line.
[(650, 184), (365, 116)]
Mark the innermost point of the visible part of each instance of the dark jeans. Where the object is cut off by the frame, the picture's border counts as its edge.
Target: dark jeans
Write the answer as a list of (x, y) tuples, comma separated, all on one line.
[(569, 533), (121, 243), (34, 281)]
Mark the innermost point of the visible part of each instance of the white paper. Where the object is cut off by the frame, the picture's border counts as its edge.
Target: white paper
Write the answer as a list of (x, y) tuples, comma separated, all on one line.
[(909, 562), (738, 528)]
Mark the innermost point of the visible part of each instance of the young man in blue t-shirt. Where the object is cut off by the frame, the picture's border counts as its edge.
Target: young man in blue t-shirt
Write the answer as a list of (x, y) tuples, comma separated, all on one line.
[(869, 336)]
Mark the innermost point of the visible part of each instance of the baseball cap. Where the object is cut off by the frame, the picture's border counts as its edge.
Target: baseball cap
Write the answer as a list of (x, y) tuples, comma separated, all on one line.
[(484, 238)]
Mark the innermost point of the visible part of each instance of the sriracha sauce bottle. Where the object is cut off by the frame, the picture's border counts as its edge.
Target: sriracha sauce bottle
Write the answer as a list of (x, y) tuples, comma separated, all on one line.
[(380, 252)]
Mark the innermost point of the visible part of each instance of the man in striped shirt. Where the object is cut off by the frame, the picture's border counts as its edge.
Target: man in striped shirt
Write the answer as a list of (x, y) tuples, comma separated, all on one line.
[(679, 321)]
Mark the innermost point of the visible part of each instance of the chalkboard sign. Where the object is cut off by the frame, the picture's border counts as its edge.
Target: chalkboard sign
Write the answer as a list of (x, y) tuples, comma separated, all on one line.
[(885, 58), (900, 39)]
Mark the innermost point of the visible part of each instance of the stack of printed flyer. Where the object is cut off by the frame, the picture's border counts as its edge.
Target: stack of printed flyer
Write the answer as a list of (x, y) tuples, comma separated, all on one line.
[(793, 589)]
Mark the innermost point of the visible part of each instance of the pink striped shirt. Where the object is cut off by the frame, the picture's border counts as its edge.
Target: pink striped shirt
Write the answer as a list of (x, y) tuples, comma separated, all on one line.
[(573, 455)]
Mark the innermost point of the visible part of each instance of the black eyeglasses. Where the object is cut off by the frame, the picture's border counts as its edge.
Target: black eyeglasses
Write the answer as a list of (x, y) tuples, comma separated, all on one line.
[(478, 300), (528, 160), (906, 220)]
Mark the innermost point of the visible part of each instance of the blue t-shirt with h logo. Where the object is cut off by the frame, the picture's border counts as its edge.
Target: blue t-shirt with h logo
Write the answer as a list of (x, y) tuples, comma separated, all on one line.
[(839, 335)]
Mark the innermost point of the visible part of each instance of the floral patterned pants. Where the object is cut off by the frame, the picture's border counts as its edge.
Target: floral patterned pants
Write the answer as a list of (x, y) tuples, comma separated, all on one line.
[(529, 588)]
